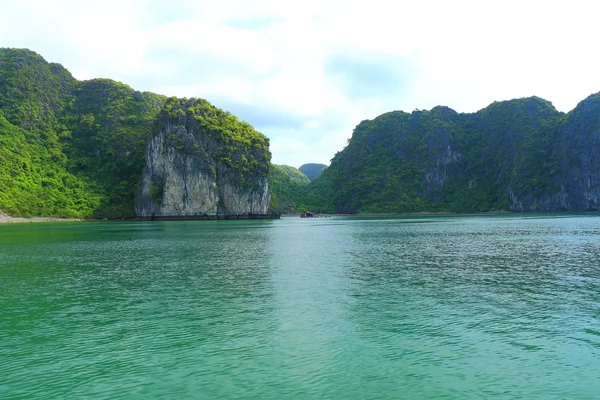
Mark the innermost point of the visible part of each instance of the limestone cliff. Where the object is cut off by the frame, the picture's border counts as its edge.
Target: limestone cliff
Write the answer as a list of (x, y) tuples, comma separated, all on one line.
[(203, 162)]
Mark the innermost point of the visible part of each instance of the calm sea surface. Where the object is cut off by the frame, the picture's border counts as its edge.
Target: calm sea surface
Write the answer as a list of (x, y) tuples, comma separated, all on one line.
[(432, 307)]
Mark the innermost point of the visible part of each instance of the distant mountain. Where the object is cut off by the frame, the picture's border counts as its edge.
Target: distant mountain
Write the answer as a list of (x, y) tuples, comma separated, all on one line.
[(296, 176), (517, 155), (312, 171)]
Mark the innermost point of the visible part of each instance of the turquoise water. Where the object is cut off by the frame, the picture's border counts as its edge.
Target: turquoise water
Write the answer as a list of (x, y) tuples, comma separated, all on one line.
[(441, 307)]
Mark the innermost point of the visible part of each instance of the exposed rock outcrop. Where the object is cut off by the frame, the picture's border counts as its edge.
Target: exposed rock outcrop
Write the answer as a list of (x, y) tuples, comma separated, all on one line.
[(203, 163)]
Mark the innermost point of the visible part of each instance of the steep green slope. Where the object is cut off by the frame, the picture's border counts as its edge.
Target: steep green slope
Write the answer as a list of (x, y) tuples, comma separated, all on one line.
[(508, 147), (96, 130), (34, 180), (312, 171), (288, 189), (34, 93), (296, 176), (33, 168), (382, 167)]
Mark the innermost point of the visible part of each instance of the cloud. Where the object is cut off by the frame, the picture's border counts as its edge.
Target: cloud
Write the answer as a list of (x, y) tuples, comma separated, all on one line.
[(305, 73), (252, 23), (263, 117), (368, 75)]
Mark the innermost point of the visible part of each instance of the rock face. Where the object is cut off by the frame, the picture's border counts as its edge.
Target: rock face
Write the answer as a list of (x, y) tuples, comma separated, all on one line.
[(203, 163)]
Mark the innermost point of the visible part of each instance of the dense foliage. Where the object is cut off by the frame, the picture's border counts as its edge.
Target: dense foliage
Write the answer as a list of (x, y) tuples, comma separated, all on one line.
[(77, 149), (110, 126), (35, 178), (288, 187)]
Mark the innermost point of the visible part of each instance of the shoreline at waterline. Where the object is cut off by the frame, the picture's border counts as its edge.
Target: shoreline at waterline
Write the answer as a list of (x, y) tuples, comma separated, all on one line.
[(6, 219), (441, 213)]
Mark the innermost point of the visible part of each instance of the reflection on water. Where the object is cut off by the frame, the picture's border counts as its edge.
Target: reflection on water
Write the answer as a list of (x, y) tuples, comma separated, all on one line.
[(449, 307)]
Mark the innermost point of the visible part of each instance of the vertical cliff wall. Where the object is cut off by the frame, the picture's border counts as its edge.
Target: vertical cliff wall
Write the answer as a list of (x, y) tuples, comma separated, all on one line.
[(203, 162)]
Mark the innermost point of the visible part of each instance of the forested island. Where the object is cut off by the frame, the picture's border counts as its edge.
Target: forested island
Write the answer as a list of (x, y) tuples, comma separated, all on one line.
[(100, 149), (517, 155)]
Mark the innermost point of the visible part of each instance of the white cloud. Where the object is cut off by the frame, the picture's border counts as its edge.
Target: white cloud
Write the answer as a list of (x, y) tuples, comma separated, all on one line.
[(322, 66)]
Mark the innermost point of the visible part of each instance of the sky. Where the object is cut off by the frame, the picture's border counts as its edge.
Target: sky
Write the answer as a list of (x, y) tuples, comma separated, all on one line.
[(305, 73)]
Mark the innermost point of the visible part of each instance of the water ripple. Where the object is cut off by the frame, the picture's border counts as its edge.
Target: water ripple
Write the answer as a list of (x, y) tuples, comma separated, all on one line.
[(422, 307)]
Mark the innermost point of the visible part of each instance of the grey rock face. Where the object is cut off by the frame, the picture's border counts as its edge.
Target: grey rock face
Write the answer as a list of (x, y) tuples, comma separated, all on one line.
[(184, 178), (441, 165), (175, 184)]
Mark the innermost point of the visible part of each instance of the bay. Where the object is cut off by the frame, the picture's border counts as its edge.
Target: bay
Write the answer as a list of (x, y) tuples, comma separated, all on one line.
[(414, 307)]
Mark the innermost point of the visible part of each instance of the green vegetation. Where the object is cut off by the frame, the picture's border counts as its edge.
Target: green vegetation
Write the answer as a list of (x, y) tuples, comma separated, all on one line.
[(34, 176), (288, 187), (111, 125), (296, 176), (34, 180)]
